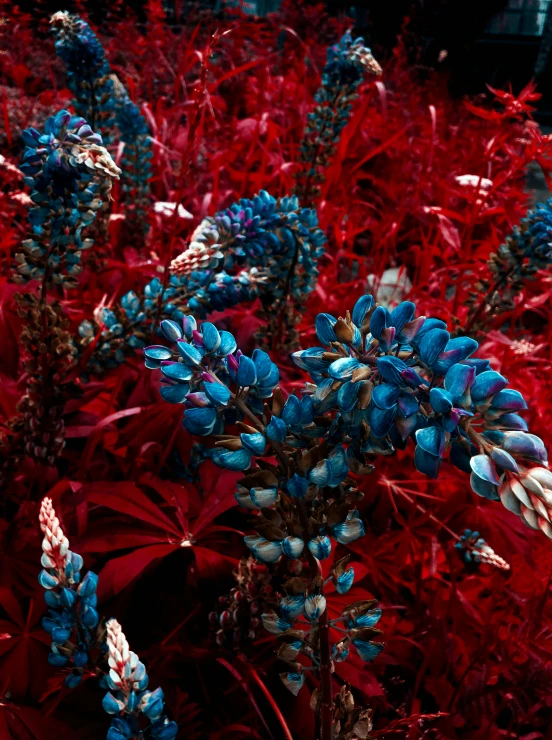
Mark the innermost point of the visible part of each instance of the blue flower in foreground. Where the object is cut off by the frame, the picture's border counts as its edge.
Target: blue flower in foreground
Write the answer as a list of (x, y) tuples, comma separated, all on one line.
[(128, 694), (71, 601)]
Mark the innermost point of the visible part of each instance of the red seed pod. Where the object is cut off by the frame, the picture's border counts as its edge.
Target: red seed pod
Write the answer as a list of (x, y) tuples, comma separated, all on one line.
[(252, 589), (226, 619), (220, 638), (254, 607), (223, 600)]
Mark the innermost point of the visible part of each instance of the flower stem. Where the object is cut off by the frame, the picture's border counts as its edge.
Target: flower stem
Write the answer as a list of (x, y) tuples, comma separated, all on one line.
[(325, 717)]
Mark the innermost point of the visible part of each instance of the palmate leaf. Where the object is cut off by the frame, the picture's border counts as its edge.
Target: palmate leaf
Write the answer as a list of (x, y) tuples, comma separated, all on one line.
[(23, 645), (183, 522)]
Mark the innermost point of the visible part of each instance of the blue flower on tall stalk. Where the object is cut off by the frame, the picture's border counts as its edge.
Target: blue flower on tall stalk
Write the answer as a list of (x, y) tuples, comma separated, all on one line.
[(347, 65), (70, 174), (87, 68), (102, 99), (277, 237), (72, 616), (379, 378), (526, 250)]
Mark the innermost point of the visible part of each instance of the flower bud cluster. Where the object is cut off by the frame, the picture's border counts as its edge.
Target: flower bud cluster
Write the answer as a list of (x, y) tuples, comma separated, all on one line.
[(474, 550), (347, 65), (72, 620), (379, 378), (238, 616), (70, 174), (72, 616)]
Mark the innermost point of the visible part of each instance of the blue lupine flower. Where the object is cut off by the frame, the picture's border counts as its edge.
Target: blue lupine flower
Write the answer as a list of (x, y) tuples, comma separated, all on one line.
[(262, 549), (293, 681), (320, 547), (101, 99), (277, 237), (347, 64), (344, 581), (199, 375), (70, 173), (368, 650), (292, 606), (314, 606), (275, 624), (349, 530), (376, 386), (129, 324), (128, 695), (72, 614)]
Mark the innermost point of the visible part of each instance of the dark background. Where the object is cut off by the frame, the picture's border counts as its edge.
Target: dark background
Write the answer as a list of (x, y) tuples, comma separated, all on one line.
[(492, 42)]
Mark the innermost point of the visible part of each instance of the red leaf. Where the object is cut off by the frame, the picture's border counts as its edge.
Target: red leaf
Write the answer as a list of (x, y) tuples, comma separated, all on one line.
[(119, 572)]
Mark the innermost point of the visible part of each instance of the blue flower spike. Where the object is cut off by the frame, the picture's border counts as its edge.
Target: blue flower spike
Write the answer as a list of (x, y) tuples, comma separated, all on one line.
[(128, 694), (72, 617)]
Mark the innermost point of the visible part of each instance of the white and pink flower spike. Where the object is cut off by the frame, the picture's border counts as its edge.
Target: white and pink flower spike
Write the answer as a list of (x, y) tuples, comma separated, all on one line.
[(122, 661), (55, 544)]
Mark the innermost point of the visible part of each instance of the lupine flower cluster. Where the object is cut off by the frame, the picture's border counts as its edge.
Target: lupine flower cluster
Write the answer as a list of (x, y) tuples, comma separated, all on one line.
[(88, 71), (70, 174), (73, 620), (526, 251), (136, 160), (72, 617), (393, 376), (125, 327), (379, 378), (128, 698), (102, 99), (347, 65), (304, 501), (278, 237), (474, 550)]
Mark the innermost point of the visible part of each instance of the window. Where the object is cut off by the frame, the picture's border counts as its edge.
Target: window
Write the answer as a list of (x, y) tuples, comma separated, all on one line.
[(521, 17)]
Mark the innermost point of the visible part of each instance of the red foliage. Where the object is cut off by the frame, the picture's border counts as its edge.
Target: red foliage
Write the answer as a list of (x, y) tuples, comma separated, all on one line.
[(421, 181)]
